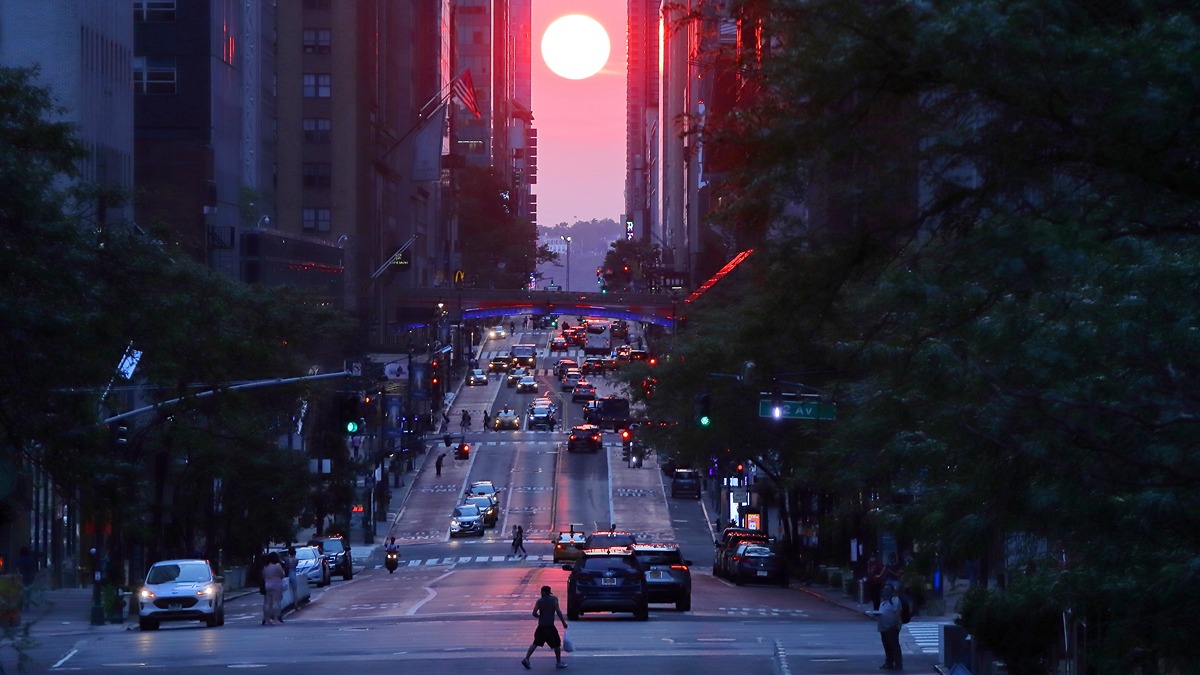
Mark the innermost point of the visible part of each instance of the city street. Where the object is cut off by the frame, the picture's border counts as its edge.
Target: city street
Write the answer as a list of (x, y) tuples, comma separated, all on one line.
[(456, 603)]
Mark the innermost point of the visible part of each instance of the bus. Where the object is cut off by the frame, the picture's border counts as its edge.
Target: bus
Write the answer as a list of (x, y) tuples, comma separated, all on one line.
[(523, 356)]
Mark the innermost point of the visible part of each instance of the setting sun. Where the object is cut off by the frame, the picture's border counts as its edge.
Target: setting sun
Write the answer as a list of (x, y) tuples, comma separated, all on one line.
[(575, 46)]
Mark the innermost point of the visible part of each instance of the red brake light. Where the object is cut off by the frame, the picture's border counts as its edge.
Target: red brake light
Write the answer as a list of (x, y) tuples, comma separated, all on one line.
[(679, 567)]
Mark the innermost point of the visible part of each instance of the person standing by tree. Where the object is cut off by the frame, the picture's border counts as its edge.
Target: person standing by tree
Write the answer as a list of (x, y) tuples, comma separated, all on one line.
[(545, 609), (273, 580), (888, 624)]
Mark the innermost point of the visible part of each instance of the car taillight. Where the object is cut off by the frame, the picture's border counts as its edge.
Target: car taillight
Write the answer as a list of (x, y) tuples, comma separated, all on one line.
[(679, 567)]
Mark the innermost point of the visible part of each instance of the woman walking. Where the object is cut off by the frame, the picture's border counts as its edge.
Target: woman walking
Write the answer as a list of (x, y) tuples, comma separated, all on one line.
[(274, 578), (519, 540)]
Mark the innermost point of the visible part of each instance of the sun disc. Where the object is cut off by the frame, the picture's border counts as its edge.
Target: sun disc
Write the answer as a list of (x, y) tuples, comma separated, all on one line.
[(575, 46)]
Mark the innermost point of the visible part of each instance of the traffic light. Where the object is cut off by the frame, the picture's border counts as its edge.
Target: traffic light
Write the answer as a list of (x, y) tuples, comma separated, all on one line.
[(118, 435), (346, 412), (703, 409), (626, 444)]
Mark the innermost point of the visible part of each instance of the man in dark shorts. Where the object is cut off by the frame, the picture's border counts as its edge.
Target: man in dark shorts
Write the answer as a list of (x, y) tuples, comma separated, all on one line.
[(545, 610)]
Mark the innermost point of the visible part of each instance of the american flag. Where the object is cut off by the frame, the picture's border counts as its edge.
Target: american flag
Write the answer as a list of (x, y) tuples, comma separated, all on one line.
[(463, 89)]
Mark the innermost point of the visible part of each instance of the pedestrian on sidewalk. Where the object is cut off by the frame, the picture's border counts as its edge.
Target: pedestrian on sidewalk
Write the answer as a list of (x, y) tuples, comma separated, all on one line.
[(437, 465), (518, 543), (290, 561), (545, 609), (888, 625), (27, 566), (273, 580)]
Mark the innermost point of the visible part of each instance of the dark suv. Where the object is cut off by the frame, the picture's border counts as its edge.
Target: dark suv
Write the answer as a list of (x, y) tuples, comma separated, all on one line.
[(686, 483), (668, 577), (607, 580), (336, 550), (585, 437)]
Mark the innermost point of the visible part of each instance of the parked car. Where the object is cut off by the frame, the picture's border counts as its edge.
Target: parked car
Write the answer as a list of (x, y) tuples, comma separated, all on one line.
[(586, 437), (312, 565), (686, 483), (668, 575), (606, 580), (466, 520), (758, 562), (725, 546), (336, 549), (489, 510), (476, 376), (181, 590), (506, 419)]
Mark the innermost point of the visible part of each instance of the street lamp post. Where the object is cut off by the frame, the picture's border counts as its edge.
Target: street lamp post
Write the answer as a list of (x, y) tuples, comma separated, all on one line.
[(567, 239)]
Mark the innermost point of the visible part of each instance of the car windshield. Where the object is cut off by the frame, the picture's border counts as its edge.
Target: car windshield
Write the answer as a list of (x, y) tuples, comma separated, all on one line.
[(184, 572), (481, 502), (606, 563), (568, 538), (466, 510), (306, 554)]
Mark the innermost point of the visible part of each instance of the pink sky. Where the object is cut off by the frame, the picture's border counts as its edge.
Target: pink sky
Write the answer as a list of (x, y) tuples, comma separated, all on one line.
[(580, 123)]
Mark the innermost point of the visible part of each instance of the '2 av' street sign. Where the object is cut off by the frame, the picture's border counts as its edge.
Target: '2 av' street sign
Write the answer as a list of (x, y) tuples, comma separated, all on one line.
[(797, 410)]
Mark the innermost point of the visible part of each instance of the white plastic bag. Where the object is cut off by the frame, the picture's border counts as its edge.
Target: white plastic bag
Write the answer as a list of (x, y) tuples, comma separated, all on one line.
[(567, 645)]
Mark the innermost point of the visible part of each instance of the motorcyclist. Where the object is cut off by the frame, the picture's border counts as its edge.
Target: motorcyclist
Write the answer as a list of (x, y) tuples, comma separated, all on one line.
[(392, 561)]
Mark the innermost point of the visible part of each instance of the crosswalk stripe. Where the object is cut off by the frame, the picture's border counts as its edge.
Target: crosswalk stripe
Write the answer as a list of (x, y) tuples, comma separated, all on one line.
[(927, 635)]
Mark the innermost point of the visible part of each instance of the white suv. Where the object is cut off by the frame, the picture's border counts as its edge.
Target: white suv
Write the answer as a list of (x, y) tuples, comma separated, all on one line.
[(181, 590)]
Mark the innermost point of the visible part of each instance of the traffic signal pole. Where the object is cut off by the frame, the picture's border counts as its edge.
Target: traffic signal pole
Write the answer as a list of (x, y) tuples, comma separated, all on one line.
[(255, 384)]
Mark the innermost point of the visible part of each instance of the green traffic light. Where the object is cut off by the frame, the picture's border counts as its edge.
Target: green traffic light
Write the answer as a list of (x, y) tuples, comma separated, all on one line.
[(705, 420), (351, 427)]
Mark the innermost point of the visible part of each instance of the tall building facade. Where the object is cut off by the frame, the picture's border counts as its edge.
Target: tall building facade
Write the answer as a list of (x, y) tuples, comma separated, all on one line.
[(83, 50), (642, 124)]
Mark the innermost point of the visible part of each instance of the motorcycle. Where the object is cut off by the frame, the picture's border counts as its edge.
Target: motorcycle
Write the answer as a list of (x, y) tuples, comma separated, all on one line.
[(392, 561)]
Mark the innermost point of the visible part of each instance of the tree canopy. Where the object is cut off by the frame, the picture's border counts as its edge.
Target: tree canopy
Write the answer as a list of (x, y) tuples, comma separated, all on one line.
[(981, 243)]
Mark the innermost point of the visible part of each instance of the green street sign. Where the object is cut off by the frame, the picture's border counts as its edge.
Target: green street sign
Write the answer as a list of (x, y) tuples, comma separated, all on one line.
[(797, 410)]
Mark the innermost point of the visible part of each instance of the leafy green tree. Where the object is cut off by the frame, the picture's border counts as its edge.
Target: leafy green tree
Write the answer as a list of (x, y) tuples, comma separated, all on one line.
[(499, 248), (994, 276)]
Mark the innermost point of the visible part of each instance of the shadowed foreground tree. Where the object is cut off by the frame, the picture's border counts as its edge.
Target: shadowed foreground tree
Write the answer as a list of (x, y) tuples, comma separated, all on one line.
[(1011, 357)]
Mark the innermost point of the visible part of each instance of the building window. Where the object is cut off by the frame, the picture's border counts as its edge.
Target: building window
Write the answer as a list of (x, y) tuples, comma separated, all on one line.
[(316, 220), (153, 75), (318, 85), (317, 175), (153, 11), (317, 129), (317, 40)]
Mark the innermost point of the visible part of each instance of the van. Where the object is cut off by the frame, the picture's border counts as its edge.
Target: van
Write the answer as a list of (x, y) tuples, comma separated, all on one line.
[(686, 483)]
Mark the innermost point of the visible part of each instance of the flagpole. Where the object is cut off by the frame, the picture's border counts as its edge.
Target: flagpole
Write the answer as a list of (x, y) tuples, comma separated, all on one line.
[(439, 99)]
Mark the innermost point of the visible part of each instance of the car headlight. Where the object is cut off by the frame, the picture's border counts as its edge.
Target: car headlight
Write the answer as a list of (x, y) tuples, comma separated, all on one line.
[(147, 594), (453, 522), (207, 590)]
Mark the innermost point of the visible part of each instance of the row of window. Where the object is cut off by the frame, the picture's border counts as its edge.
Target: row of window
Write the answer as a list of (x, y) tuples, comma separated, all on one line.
[(159, 76)]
